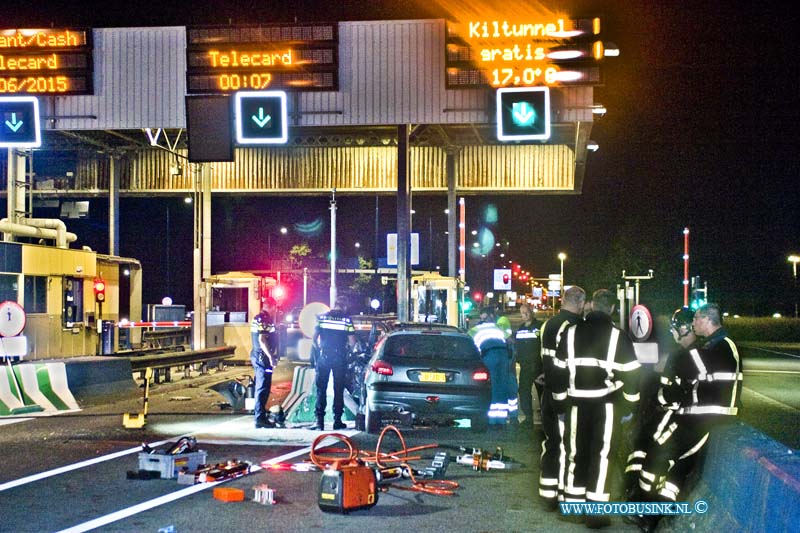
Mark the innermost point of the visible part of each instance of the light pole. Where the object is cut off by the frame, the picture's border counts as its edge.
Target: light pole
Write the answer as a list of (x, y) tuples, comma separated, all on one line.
[(561, 257), (283, 231), (794, 259)]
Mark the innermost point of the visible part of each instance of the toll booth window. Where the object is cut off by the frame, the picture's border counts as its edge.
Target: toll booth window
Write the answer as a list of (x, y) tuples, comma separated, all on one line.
[(230, 303), (72, 311), (35, 294), (9, 284)]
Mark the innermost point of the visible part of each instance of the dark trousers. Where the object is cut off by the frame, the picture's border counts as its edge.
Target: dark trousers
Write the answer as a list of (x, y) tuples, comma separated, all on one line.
[(496, 360), (325, 366), (527, 381), (552, 458), (263, 385), (590, 434), (676, 439)]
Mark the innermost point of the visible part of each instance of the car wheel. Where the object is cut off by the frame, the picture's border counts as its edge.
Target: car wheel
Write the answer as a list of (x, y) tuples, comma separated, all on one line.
[(479, 424), (372, 421)]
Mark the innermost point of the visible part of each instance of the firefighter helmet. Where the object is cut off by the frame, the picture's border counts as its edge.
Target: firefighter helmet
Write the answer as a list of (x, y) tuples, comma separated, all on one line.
[(681, 321)]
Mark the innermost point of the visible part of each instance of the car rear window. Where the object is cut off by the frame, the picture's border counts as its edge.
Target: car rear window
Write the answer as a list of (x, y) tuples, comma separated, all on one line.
[(431, 347)]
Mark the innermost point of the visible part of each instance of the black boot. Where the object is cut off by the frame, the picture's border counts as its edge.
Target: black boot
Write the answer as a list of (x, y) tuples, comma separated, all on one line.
[(337, 422), (320, 425)]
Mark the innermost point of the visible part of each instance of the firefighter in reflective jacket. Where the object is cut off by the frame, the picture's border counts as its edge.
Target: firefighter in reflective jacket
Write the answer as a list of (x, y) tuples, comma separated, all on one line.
[(333, 338), (552, 461), (263, 358), (700, 388), (491, 341), (596, 385)]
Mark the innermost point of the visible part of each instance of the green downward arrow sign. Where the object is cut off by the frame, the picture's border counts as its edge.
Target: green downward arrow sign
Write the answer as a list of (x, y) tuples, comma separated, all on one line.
[(261, 119), (14, 125)]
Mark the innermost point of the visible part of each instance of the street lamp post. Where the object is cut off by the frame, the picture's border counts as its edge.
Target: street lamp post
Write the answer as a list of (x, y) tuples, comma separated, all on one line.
[(794, 259)]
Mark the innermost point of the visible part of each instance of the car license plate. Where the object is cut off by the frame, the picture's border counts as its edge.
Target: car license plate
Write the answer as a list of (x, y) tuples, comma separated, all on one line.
[(432, 377)]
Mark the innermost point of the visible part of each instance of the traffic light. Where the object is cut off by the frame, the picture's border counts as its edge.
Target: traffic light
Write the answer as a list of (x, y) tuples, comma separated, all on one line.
[(279, 293), (99, 290), (505, 278), (467, 306)]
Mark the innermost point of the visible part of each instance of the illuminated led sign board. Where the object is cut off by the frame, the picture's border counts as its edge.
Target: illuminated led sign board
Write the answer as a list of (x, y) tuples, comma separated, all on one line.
[(265, 57), (19, 122), (512, 53), (46, 61), (523, 114), (261, 117)]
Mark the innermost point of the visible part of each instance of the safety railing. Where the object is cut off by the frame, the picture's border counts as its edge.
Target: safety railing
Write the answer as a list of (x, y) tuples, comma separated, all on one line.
[(163, 363)]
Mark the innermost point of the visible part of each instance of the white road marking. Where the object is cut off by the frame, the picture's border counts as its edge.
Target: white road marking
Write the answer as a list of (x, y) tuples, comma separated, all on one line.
[(7, 421), (89, 462), (161, 500), (68, 468), (773, 351), (767, 399)]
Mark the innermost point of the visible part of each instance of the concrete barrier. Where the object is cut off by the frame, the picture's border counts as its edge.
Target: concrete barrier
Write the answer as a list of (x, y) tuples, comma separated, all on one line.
[(36, 384), (750, 482), (94, 377)]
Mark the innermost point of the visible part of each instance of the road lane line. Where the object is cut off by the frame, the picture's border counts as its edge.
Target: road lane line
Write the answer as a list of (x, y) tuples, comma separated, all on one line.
[(161, 500), (89, 462), (768, 399), (68, 468), (773, 351)]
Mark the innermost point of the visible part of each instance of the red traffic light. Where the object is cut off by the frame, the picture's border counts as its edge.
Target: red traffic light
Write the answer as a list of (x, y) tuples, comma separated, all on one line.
[(99, 290), (279, 293), (505, 278), (477, 296)]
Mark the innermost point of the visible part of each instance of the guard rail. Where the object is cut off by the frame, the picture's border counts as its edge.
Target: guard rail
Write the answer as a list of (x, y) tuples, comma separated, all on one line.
[(165, 362)]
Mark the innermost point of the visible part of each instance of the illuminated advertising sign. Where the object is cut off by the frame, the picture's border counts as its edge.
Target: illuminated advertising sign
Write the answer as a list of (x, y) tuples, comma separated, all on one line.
[(505, 53), (46, 61), (288, 57)]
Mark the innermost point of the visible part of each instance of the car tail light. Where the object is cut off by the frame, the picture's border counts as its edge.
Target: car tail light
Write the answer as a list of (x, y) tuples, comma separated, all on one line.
[(383, 368), (480, 375)]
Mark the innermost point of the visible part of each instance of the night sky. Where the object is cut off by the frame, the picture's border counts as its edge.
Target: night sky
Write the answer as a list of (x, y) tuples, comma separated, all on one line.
[(700, 132)]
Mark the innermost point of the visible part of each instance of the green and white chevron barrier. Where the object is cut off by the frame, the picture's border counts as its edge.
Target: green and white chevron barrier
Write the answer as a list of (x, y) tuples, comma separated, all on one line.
[(42, 384)]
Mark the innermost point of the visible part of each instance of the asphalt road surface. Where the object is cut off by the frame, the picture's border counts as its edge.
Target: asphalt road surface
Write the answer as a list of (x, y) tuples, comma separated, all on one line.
[(68, 472), (49, 483)]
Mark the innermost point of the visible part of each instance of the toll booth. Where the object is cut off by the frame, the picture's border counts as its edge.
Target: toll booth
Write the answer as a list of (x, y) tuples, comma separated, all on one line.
[(235, 300), (67, 295), (439, 299)]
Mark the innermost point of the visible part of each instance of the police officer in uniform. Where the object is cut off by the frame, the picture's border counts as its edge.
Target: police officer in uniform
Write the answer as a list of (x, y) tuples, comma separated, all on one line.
[(552, 460), (527, 349), (596, 385), (263, 358), (700, 388), (333, 338)]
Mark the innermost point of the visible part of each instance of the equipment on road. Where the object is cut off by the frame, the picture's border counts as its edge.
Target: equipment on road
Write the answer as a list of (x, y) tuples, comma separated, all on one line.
[(264, 495), (483, 461), (170, 461), (352, 482), (228, 494), (345, 488), (223, 471), (138, 420)]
